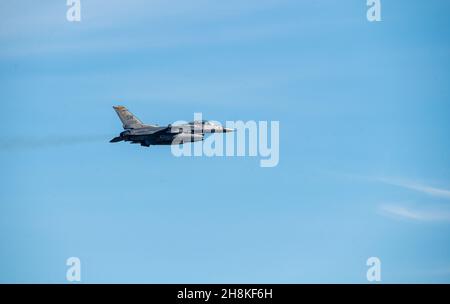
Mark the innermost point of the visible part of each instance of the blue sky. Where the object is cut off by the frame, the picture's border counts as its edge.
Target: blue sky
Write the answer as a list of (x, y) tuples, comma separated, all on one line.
[(364, 147)]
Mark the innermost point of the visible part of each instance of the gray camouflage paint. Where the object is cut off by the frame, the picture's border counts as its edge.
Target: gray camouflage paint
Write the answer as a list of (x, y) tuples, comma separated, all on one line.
[(137, 132)]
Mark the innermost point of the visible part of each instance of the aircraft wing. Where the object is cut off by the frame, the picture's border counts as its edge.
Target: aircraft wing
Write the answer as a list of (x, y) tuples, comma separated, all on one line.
[(169, 130)]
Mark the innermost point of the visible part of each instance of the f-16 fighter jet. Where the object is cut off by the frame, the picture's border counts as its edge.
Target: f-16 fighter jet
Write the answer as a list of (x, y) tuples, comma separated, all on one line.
[(138, 133)]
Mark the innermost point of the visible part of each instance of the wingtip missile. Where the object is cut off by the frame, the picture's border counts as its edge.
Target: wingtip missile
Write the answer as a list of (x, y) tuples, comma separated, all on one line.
[(116, 139)]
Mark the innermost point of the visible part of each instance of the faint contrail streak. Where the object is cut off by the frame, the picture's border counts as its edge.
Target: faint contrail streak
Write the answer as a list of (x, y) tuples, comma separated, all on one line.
[(25, 143), (444, 193), (412, 214)]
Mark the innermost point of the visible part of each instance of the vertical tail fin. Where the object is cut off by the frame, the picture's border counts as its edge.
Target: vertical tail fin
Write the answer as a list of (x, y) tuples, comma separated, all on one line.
[(129, 121)]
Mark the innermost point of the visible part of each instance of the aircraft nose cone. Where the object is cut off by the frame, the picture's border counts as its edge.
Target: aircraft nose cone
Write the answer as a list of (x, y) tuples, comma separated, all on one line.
[(226, 130)]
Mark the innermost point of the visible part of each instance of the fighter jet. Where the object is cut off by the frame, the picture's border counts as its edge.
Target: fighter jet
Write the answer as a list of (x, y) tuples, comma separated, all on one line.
[(144, 134)]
